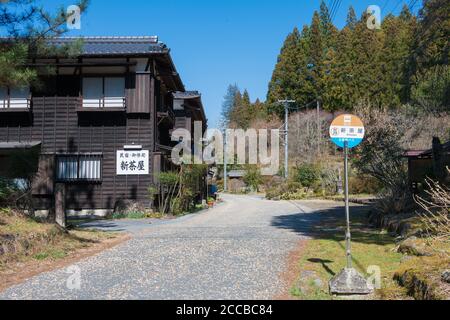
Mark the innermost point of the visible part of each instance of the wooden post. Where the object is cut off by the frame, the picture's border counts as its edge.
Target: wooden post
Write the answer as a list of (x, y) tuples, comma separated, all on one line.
[(60, 205), (438, 165)]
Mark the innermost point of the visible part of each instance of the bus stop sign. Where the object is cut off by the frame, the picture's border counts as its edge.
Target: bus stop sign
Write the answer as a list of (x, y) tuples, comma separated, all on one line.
[(347, 128)]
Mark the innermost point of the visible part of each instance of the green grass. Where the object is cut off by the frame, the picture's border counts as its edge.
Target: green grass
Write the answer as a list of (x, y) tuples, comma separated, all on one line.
[(324, 256), (130, 215), (25, 239)]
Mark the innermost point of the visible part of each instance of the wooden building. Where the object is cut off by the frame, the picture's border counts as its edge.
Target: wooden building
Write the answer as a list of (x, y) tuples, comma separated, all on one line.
[(432, 163), (100, 123)]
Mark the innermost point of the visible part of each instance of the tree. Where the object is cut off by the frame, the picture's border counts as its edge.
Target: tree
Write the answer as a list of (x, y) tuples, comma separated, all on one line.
[(404, 62), (227, 104), (28, 25), (351, 18), (287, 73)]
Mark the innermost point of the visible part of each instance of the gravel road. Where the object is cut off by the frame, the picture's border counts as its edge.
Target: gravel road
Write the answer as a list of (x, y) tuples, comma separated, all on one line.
[(235, 251)]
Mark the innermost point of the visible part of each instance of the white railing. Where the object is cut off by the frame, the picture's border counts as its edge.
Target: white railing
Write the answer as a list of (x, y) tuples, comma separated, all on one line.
[(107, 102), (15, 103)]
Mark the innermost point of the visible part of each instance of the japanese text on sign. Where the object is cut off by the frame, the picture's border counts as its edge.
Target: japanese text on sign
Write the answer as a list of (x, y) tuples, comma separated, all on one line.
[(132, 162)]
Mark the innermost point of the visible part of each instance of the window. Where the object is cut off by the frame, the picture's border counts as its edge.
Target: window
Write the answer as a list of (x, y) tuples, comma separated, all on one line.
[(104, 92), (178, 104), (14, 98), (78, 168)]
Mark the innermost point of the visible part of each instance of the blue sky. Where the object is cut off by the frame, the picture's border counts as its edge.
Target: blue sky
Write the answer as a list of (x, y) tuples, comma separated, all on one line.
[(217, 42)]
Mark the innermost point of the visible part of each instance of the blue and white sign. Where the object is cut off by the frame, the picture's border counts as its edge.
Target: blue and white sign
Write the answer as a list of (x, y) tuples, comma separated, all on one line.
[(347, 128)]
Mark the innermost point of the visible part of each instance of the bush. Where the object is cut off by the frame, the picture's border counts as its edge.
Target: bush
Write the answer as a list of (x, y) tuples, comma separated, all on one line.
[(363, 184), (7, 189), (130, 215), (307, 175), (253, 178), (435, 205), (279, 191)]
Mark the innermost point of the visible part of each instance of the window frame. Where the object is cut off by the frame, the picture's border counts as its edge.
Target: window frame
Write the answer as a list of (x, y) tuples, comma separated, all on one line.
[(101, 104), (93, 156)]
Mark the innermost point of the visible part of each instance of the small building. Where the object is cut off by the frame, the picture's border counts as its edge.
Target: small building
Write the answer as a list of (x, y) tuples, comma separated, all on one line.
[(432, 163), (236, 183), (100, 125)]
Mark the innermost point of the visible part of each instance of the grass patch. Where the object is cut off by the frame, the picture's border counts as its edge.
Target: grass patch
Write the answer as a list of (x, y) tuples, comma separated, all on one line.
[(324, 257), (23, 239), (129, 215), (421, 275), (138, 215)]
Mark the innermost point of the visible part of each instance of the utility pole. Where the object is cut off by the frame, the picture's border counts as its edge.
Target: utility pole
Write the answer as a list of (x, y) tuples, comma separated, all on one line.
[(286, 135), (225, 162), (319, 129)]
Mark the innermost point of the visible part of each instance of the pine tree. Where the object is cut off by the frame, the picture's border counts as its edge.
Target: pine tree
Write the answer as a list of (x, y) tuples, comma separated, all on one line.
[(228, 104), (316, 54), (397, 41), (285, 77), (28, 26), (351, 19)]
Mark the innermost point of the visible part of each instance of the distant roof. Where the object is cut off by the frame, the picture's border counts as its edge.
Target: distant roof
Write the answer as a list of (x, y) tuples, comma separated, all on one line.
[(93, 46), (236, 173), (426, 153)]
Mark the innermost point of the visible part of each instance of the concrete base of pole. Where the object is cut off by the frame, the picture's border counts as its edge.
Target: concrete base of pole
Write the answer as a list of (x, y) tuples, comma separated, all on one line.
[(348, 282)]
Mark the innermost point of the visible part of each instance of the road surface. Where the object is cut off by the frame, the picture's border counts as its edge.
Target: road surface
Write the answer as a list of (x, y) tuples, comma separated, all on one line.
[(237, 250)]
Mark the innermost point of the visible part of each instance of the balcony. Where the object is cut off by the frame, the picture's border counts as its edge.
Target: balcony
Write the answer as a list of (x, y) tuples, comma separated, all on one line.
[(15, 105), (106, 104)]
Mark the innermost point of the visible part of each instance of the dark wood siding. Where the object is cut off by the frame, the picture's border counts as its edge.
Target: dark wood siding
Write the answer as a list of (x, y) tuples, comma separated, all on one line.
[(138, 93), (56, 123)]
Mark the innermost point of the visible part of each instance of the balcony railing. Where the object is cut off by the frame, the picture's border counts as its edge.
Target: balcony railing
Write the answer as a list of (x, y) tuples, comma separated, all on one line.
[(15, 104), (107, 103)]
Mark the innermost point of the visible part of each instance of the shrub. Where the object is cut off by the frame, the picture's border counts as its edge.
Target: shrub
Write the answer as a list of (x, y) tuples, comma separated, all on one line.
[(436, 209), (307, 175), (7, 189), (253, 178), (178, 191), (279, 191), (129, 215), (363, 184)]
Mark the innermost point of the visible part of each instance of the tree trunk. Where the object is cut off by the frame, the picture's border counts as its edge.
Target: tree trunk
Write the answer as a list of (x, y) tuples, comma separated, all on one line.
[(60, 205)]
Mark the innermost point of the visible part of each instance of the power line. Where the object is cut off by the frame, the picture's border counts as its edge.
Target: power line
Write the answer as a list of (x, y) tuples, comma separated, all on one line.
[(412, 4), (331, 8), (396, 6), (385, 5), (336, 10)]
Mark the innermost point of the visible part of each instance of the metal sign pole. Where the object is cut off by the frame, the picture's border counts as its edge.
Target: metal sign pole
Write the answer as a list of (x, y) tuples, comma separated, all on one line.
[(225, 163), (347, 131), (347, 209), (286, 145)]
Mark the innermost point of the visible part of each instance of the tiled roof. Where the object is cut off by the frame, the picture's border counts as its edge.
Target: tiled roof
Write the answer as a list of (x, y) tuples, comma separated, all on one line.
[(426, 153), (187, 95), (115, 45)]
